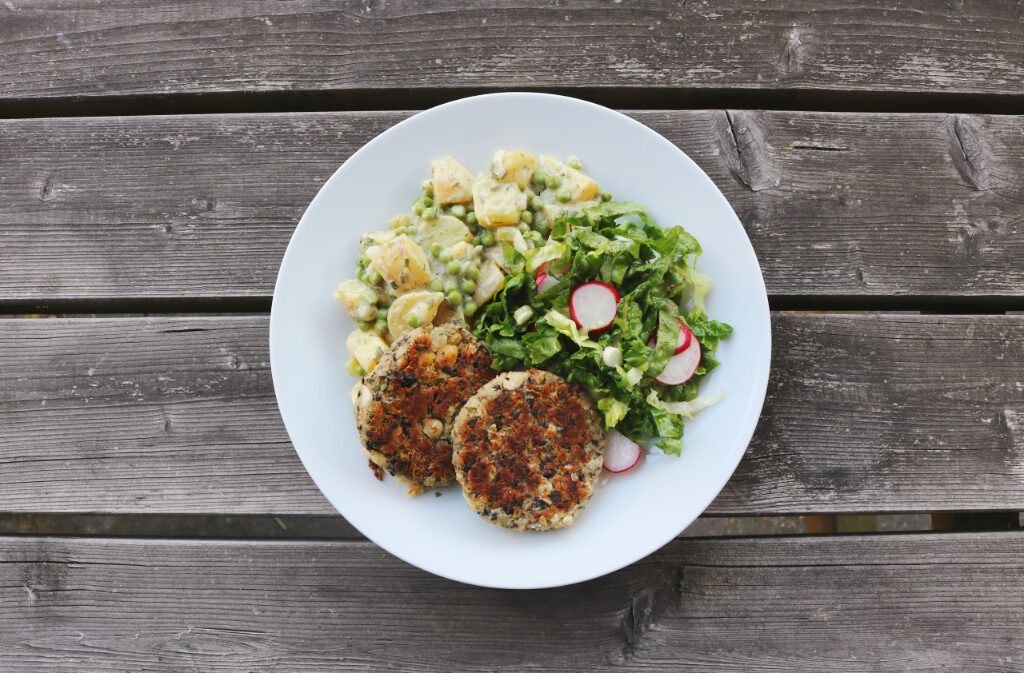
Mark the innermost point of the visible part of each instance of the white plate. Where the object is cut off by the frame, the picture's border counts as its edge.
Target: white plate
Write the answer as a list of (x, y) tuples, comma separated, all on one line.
[(631, 514)]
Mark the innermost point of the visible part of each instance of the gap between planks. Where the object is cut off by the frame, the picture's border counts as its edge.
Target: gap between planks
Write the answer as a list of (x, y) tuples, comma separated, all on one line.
[(407, 100)]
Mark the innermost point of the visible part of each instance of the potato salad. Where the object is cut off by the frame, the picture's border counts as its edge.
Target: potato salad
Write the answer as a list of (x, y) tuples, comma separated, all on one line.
[(445, 258)]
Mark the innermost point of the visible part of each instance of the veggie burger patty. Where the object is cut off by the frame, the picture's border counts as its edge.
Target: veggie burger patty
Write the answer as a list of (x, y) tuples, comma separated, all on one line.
[(405, 407), (528, 448)]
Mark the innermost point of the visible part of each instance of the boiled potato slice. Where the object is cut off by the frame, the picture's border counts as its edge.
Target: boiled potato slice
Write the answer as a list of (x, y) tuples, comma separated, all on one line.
[(497, 203), (401, 263), (452, 182), (514, 167), (581, 187), (366, 348), (422, 304), (446, 230), (376, 238), (550, 212), (489, 282), (358, 297), (513, 236), (399, 221)]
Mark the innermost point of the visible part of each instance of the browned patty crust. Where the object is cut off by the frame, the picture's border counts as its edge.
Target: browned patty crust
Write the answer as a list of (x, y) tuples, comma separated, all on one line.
[(528, 448), (407, 404)]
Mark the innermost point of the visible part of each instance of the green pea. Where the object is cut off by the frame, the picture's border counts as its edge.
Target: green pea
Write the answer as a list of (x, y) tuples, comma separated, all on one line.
[(362, 259), (563, 195), (413, 320), (459, 211), (575, 163), (523, 227), (418, 208), (526, 216), (471, 217), (435, 249), (476, 240), (436, 285), (382, 314), (467, 286), (487, 239), (380, 326), (469, 309), (454, 298), (450, 286), (540, 176), (364, 325), (444, 256), (427, 201), (454, 268), (372, 298), (428, 190), (372, 276), (554, 182), (536, 203), (606, 196), (473, 272)]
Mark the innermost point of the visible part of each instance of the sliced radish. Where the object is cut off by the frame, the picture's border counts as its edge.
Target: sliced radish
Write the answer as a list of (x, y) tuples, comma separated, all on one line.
[(545, 281), (682, 343), (682, 366), (620, 452), (594, 306)]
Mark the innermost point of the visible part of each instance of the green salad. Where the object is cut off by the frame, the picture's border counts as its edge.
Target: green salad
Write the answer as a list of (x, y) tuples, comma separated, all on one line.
[(657, 297)]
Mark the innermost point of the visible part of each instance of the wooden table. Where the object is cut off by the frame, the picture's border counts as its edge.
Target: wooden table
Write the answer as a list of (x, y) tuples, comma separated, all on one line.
[(155, 157)]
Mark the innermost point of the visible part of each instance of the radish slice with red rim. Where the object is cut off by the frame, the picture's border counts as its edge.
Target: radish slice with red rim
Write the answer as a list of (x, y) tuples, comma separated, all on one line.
[(544, 280), (594, 306), (681, 367), (682, 343), (620, 452)]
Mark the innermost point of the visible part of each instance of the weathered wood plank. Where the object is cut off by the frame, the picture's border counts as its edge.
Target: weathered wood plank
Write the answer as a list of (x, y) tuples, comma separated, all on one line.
[(837, 205), (903, 603), (865, 413), (74, 48)]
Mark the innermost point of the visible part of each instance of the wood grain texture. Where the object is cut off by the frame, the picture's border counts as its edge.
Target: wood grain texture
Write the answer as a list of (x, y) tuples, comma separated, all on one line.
[(909, 603), (74, 48), (837, 205), (865, 413)]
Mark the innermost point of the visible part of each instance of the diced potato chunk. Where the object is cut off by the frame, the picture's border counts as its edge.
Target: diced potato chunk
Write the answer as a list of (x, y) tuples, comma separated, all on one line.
[(366, 348), (446, 230), (452, 182), (487, 285), (497, 255), (421, 304), (399, 221), (497, 203), (581, 187), (358, 297), (550, 212), (513, 236), (401, 263), (376, 238), (514, 167)]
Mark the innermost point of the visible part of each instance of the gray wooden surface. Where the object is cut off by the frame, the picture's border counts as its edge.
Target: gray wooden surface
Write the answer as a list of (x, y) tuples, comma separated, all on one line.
[(865, 413), (911, 603), (201, 207), (841, 207), (155, 157), (66, 49)]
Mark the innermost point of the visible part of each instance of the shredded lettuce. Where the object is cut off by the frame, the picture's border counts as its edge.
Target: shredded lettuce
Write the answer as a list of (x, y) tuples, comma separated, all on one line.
[(653, 270)]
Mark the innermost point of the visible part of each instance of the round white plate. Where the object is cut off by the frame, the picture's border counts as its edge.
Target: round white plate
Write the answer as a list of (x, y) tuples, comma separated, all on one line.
[(631, 514)]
